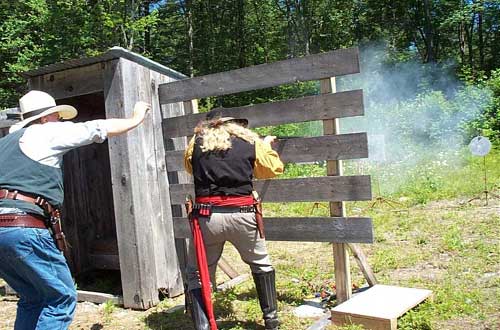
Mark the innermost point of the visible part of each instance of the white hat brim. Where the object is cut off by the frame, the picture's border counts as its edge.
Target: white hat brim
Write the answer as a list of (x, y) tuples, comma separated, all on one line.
[(65, 111)]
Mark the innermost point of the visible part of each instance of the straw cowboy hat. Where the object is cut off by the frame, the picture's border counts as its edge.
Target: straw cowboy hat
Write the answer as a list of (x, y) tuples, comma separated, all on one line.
[(216, 115), (37, 104)]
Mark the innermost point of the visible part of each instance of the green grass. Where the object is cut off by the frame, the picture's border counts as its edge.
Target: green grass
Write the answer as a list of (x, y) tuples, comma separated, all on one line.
[(107, 310)]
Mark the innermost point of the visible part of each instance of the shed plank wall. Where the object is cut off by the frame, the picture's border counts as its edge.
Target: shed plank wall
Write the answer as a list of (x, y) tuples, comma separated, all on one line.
[(72, 82), (139, 209)]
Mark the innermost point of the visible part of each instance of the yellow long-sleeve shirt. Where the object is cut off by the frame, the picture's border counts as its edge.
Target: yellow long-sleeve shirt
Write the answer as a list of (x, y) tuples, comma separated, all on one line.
[(267, 161)]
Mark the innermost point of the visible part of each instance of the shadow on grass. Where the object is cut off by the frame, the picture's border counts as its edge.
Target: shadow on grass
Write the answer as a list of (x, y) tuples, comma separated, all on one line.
[(223, 308), (181, 321), (224, 299), (163, 321)]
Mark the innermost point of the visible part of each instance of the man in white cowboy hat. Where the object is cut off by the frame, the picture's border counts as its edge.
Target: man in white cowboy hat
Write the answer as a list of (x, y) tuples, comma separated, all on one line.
[(31, 192)]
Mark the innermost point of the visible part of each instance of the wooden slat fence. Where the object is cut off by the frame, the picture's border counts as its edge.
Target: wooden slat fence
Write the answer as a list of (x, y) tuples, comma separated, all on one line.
[(292, 150), (333, 147)]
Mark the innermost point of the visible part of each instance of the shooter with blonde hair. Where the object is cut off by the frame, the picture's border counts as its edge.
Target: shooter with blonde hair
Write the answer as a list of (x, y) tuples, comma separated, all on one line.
[(223, 157)]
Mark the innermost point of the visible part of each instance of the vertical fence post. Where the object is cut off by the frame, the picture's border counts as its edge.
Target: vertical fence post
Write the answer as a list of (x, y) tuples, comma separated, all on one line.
[(334, 167)]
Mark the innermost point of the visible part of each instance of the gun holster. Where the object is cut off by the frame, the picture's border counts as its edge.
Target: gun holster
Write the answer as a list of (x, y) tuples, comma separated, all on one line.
[(54, 224), (258, 216)]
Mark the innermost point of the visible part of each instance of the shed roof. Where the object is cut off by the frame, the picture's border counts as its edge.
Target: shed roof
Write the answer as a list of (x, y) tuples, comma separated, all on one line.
[(112, 53)]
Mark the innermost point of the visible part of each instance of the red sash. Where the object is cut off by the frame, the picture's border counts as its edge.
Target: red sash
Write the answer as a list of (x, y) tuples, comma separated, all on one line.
[(199, 245), (226, 200)]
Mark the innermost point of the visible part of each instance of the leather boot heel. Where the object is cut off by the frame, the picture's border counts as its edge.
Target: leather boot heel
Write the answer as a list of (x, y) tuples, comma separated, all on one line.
[(265, 283)]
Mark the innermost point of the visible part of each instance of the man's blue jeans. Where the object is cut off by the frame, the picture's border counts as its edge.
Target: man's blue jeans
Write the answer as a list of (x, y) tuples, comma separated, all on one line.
[(33, 266)]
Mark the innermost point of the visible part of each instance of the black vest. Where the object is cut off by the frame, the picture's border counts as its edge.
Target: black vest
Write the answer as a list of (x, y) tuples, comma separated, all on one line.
[(228, 172), (19, 172)]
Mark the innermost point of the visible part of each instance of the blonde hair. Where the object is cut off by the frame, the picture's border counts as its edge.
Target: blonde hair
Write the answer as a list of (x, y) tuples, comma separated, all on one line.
[(217, 135)]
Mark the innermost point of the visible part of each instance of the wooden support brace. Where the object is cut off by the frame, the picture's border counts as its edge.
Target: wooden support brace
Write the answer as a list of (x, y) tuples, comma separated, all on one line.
[(233, 282), (227, 269)]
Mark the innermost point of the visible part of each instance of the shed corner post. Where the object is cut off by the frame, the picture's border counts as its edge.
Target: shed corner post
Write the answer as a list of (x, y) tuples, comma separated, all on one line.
[(130, 169)]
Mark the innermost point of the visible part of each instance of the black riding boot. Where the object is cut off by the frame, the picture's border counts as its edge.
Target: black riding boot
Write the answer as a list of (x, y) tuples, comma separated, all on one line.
[(197, 308), (265, 283)]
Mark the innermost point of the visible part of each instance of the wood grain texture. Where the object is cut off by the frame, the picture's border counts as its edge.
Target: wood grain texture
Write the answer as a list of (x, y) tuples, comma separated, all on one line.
[(317, 107), (320, 229), (177, 143), (335, 63), (88, 201), (138, 208), (169, 275), (379, 307), (331, 126), (307, 149), (316, 189), (72, 82), (363, 264)]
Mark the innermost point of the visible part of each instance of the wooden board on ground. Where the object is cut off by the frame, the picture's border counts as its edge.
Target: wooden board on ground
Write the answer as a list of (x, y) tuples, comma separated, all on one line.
[(379, 307), (99, 297)]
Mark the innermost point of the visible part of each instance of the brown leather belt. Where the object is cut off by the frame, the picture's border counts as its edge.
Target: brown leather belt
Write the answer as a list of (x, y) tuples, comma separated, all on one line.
[(16, 195), (22, 220), (32, 221)]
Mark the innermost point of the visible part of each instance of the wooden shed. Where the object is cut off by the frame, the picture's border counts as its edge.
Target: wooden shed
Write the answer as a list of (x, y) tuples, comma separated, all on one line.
[(117, 212)]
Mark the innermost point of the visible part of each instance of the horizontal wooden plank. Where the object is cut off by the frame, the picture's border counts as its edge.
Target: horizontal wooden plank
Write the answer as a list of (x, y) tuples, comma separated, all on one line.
[(327, 229), (71, 82), (316, 107), (331, 64), (297, 150), (326, 188)]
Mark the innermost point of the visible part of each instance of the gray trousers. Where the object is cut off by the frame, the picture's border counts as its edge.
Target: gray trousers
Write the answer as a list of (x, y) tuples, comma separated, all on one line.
[(238, 228)]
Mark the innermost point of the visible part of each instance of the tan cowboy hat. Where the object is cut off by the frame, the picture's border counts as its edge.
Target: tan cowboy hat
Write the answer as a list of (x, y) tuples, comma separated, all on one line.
[(36, 104), (216, 114)]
